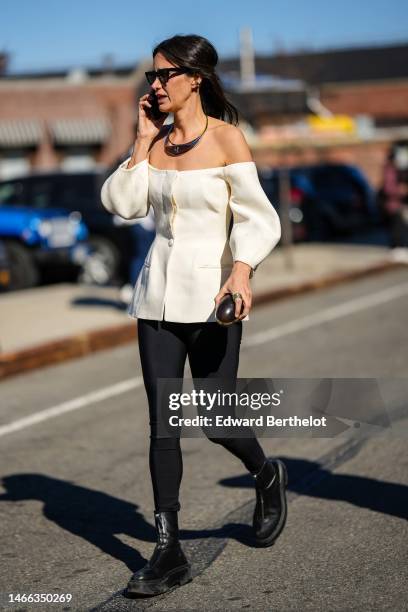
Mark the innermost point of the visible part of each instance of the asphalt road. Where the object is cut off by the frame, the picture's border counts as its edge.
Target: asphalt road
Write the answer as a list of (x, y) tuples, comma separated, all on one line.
[(76, 510)]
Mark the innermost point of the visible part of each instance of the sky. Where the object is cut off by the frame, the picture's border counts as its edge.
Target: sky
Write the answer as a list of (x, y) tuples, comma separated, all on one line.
[(52, 34)]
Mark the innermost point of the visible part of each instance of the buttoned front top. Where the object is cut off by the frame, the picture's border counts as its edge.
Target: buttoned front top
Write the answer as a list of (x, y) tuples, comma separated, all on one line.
[(205, 220)]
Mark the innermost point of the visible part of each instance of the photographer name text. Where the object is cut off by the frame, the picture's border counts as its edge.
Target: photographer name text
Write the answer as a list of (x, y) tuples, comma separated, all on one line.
[(259, 421)]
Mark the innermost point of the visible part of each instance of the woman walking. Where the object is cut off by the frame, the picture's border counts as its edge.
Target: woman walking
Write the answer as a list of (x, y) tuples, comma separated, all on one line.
[(214, 226)]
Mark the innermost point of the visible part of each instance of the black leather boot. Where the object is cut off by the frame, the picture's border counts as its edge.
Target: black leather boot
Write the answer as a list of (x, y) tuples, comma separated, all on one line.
[(168, 565), (271, 506)]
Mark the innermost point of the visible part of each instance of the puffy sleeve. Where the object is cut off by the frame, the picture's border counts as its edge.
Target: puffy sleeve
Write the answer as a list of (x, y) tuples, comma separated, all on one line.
[(125, 191), (256, 226)]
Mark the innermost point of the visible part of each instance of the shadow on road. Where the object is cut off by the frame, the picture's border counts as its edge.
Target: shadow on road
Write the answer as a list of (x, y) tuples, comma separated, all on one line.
[(98, 517), (310, 478)]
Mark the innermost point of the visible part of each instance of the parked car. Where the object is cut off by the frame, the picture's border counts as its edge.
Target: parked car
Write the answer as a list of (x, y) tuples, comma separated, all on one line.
[(34, 239), (109, 238), (328, 202)]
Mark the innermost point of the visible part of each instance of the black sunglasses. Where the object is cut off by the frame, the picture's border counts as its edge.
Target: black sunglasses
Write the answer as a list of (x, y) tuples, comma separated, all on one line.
[(163, 74)]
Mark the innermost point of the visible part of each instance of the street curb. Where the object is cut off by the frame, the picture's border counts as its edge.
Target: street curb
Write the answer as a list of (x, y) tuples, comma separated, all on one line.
[(326, 281), (85, 343), (72, 347)]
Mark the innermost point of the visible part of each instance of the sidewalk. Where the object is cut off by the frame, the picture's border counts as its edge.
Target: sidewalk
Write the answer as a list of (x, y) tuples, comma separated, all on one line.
[(50, 324)]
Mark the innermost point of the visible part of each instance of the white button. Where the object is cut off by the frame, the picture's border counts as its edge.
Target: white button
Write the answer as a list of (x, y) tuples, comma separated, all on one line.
[(171, 242)]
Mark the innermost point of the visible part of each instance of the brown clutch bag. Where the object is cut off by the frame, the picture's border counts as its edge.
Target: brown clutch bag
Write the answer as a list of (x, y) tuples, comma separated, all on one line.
[(225, 311)]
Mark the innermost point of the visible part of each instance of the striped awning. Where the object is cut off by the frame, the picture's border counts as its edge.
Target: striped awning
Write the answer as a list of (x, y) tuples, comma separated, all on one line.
[(80, 131), (20, 132)]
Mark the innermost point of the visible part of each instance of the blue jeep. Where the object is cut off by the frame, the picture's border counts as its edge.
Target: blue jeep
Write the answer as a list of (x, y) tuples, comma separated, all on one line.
[(37, 238)]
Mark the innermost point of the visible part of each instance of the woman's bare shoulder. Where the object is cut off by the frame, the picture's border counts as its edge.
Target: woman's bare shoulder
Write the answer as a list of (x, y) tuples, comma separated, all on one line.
[(232, 142)]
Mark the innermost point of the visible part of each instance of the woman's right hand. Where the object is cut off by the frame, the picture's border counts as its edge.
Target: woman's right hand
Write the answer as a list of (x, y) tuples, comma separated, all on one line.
[(148, 128)]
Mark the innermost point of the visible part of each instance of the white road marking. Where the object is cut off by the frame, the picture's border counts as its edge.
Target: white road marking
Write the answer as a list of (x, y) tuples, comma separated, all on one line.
[(328, 314), (75, 404)]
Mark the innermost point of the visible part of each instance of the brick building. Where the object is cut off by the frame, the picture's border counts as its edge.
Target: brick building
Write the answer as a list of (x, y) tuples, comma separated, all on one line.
[(370, 84), (71, 120), (364, 80), (81, 119)]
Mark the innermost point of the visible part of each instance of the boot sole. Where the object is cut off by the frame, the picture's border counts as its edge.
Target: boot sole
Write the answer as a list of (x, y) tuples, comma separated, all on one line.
[(175, 577), (283, 480)]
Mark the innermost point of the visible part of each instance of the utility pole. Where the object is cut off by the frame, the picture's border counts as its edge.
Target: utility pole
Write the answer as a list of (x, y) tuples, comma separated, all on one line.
[(247, 57)]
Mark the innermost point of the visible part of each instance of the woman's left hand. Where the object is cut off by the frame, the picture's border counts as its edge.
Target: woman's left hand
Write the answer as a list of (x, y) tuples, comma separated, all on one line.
[(238, 282)]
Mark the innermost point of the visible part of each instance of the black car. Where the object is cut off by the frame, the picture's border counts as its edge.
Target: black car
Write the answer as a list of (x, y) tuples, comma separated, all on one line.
[(109, 240), (327, 202)]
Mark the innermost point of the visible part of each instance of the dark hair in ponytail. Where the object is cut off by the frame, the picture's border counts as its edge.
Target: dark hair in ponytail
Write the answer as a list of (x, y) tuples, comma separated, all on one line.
[(199, 54)]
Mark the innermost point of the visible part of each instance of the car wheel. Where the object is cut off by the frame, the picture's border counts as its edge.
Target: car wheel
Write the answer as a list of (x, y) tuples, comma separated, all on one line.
[(23, 269), (101, 266)]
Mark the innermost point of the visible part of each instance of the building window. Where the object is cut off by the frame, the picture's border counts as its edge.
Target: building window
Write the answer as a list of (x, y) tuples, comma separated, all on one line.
[(78, 158), (14, 163)]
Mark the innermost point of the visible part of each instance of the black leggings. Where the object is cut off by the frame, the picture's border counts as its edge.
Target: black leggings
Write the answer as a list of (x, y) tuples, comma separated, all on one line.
[(213, 352)]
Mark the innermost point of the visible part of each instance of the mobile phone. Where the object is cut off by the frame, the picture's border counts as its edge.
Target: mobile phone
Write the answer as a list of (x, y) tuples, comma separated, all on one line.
[(154, 111)]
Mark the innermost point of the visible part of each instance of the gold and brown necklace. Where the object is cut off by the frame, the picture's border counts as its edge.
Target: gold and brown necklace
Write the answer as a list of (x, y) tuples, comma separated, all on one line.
[(178, 149)]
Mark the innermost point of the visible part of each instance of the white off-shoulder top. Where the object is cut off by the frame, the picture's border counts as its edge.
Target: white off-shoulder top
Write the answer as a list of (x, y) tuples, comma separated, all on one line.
[(205, 220)]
